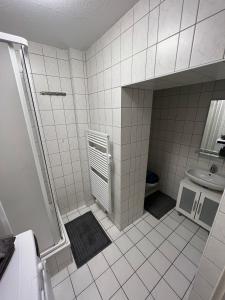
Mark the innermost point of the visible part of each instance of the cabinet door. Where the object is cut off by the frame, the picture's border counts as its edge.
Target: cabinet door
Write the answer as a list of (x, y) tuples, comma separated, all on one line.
[(206, 211), (187, 200)]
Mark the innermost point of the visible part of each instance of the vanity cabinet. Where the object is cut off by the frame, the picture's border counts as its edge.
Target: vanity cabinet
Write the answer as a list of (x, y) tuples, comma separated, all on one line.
[(197, 203)]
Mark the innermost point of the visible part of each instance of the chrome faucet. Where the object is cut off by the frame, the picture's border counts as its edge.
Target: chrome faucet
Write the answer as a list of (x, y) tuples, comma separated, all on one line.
[(213, 168)]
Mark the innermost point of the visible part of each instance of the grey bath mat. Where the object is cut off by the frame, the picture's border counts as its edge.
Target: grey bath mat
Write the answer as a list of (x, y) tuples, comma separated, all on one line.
[(158, 204), (87, 238)]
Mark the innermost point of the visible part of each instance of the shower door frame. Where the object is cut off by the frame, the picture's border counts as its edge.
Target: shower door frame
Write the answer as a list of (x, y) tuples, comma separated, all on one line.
[(59, 234)]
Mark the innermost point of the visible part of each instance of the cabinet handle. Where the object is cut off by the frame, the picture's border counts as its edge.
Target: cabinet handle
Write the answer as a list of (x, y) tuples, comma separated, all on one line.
[(194, 206), (199, 208)]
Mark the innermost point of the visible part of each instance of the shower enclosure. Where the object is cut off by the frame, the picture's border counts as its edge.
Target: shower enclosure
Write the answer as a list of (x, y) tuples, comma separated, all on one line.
[(26, 198)]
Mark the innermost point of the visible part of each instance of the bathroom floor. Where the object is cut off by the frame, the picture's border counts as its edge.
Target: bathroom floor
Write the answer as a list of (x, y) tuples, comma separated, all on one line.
[(150, 259)]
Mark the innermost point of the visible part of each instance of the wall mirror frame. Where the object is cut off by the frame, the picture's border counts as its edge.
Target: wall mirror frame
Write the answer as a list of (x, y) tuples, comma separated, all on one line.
[(213, 139)]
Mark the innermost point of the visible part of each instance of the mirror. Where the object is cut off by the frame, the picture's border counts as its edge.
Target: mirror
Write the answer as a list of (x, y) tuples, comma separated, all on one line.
[(213, 141)]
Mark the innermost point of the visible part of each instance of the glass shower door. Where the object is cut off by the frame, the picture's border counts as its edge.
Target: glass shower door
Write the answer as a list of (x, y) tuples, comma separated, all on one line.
[(32, 108), (26, 195)]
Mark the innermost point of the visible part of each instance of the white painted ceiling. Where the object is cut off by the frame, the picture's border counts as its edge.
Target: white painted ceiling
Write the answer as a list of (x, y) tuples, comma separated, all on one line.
[(61, 23)]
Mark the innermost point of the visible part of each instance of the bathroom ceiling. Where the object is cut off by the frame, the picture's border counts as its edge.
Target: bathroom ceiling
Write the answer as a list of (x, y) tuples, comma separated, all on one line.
[(61, 23)]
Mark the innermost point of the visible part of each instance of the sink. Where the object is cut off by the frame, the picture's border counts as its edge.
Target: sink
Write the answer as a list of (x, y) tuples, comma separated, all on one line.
[(207, 179)]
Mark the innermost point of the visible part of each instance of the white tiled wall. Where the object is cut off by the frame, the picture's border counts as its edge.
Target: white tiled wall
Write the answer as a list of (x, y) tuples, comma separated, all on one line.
[(61, 133), (152, 39), (178, 121)]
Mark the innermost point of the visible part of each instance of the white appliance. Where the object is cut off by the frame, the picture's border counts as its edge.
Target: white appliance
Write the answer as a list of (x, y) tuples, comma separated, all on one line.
[(26, 277)]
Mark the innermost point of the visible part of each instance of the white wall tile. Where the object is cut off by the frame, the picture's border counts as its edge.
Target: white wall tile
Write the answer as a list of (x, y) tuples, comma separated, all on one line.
[(138, 67), (116, 51), (189, 14), (209, 7), (77, 68), (150, 64), (215, 252), (184, 48), (209, 40), (154, 3), (64, 68), (140, 35), (49, 51), (166, 55), (126, 69), (170, 16), (35, 48), (107, 57), (127, 20), (153, 26), (126, 43), (116, 76), (37, 64), (141, 8)]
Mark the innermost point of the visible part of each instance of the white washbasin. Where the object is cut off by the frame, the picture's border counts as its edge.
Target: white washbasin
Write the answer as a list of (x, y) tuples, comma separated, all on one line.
[(207, 179)]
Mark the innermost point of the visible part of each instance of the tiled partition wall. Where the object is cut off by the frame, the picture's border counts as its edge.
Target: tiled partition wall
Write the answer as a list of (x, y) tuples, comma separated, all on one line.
[(178, 122), (61, 132), (81, 109), (152, 39), (125, 115)]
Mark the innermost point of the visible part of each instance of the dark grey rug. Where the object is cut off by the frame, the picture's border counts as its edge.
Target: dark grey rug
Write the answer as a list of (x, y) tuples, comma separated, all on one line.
[(87, 238), (158, 204)]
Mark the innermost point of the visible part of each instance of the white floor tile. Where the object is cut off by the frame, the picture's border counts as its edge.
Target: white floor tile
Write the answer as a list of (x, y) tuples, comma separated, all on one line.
[(64, 290), (107, 284), (124, 243), (73, 216), (60, 276), (134, 289), (148, 275), (159, 262), (146, 247), (135, 257), (114, 232), (94, 207), (151, 220), (81, 279), (163, 230), (185, 266), (177, 217), (72, 267), (192, 253), (177, 281), (202, 234), (191, 226), (122, 270), (144, 227), (134, 234), (184, 233), (99, 214), (112, 253), (198, 243), (98, 265), (171, 223), (90, 293), (169, 251), (149, 297), (106, 223), (119, 295), (136, 248), (155, 237), (177, 241), (163, 292)]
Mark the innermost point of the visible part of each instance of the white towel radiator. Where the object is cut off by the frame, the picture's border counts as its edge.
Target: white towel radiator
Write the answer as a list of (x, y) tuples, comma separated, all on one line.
[(100, 167)]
